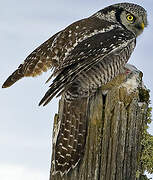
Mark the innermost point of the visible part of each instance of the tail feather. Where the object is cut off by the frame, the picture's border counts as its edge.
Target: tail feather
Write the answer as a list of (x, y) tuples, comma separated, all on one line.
[(70, 143)]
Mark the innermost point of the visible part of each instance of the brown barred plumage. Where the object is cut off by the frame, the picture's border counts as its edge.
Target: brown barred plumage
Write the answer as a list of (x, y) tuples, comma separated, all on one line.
[(69, 141), (84, 56)]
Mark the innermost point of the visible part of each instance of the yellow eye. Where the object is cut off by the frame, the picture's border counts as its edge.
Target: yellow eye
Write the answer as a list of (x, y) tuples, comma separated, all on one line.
[(130, 18)]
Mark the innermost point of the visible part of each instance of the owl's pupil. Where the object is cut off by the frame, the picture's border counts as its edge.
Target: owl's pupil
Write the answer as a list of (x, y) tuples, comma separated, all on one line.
[(130, 18)]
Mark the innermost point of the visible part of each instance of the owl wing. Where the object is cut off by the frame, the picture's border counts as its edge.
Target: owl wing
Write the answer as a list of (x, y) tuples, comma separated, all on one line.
[(88, 53), (54, 52), (40, 60)]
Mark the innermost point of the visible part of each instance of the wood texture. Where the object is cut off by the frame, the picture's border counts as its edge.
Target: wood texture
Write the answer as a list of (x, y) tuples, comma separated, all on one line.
[(115, 127)]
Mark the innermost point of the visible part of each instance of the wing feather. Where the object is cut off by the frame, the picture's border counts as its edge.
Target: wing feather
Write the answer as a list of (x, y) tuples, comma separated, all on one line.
[(118, 40), (37, 62)]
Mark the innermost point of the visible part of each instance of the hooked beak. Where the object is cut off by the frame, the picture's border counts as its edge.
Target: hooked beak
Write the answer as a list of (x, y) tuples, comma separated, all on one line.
[(142, 26)]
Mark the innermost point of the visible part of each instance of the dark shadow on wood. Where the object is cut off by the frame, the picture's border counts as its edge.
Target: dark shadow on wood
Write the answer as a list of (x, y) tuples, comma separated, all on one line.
[(115, 127)]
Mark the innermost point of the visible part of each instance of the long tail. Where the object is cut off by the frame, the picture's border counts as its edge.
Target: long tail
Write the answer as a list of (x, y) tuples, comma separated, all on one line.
[(71, 137)]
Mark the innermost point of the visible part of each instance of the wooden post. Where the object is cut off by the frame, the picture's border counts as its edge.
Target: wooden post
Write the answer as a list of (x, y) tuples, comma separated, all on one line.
[(115, 130)]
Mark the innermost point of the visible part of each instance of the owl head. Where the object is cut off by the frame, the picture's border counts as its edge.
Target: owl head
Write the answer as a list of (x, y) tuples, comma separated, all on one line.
[(131, 16)]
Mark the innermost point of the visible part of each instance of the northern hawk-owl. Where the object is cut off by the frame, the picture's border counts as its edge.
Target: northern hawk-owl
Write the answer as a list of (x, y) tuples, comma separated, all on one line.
[(84, 56)]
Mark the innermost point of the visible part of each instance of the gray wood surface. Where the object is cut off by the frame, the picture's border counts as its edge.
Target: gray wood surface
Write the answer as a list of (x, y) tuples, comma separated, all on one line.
[(115, 126)]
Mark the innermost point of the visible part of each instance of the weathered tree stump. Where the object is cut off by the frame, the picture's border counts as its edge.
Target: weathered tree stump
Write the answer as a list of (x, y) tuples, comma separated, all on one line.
[(116, 124)]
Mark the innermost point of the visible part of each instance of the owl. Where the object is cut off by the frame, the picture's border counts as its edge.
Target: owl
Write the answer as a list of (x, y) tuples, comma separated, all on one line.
[(83, 57)]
